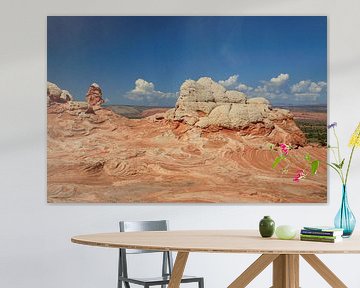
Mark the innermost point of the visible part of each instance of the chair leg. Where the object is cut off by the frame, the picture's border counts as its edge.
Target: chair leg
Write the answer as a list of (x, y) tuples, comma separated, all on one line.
[(201, 283)]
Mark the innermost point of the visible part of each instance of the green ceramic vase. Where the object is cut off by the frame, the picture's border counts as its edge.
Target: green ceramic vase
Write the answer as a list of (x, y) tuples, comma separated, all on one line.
[(266, 227)]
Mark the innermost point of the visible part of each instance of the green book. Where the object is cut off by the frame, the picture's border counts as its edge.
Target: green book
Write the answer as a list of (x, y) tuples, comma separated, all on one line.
[(319, 236), (325, 240)]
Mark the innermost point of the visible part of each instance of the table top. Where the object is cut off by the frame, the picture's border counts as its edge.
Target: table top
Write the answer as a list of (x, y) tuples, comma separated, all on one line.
[(217, 241)]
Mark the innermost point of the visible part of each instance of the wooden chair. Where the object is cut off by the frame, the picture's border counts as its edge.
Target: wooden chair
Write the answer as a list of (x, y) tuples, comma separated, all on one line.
[(167, 262)]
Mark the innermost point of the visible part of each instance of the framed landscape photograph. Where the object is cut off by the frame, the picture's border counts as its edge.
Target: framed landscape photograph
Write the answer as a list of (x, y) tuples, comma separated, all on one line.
[(186, 109)]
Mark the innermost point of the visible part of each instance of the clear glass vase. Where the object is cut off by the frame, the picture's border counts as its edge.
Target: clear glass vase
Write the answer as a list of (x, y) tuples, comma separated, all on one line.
[(345, 219)]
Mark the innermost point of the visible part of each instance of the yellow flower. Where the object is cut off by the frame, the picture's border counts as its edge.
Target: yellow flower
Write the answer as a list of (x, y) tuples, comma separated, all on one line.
[(355, 138)]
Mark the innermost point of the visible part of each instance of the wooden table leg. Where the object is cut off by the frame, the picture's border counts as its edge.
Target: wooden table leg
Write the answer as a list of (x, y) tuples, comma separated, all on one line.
[(253, 270), (286, 271), (178, 269), (324, 271)]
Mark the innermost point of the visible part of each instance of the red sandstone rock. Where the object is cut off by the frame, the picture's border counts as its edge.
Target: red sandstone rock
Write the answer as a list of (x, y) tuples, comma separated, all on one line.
[(105, 157), (94, 97)]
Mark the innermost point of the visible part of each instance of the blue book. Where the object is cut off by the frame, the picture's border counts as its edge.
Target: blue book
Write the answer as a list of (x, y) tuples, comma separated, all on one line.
[(322, 231)]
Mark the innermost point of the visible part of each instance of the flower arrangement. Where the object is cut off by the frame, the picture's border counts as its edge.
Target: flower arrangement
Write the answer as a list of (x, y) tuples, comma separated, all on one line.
[(344, 219)]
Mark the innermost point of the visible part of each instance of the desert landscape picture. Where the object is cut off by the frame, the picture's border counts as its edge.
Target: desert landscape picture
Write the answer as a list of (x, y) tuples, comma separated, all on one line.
[(186, 109)]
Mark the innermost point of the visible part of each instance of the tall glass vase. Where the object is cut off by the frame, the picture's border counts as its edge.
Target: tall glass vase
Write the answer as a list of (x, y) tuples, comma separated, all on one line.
[(345, 219)]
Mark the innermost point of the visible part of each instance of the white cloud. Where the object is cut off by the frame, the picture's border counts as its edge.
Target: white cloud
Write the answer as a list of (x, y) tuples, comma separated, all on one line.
[(144, 87), (267, 91), (244, 88), (145, 90), (306, 86), (230, 82), (233, 83), (306, 89), (279, 90), (279, 80), (300, 87), (274, 89)]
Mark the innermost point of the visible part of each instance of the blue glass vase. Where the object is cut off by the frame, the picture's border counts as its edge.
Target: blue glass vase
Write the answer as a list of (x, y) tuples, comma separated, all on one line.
[(345, 219)]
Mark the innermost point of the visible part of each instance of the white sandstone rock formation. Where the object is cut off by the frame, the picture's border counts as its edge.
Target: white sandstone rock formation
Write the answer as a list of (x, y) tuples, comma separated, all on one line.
[(56, 94), (207, 104)]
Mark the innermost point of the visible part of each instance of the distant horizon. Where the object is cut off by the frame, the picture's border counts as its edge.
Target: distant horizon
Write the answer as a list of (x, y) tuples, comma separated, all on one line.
[(143, 60), (154, 106)]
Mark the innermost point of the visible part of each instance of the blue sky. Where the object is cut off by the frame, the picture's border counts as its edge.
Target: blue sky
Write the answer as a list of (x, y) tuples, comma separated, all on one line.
[(144, 60)]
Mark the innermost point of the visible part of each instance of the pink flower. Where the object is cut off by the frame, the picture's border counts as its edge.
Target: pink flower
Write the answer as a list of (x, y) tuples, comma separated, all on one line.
[(284, 148), (299, 175)]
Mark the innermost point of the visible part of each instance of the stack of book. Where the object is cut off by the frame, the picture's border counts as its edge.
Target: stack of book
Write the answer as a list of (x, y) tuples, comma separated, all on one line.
[(321, 234)]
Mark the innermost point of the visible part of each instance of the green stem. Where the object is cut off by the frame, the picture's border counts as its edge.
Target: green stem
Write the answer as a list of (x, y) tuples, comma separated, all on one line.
[(348, 167), (337, 171), (336, 160), (340, 159), (338, 146)]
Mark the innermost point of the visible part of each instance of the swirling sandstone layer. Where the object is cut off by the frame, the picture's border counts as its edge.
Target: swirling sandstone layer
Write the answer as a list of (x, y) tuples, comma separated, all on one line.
[(105, 157)]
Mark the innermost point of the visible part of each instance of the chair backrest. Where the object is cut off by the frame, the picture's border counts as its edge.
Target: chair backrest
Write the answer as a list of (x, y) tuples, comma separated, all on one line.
[(134, 226)]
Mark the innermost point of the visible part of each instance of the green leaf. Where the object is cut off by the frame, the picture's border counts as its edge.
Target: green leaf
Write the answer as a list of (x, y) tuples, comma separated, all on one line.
[(333, 167), (314, 166), (336, 165), (277, 161), (308, 157), (342, 164), (339, 166)]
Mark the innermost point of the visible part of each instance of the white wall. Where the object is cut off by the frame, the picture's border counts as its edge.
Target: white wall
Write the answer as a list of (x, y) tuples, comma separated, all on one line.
[(35, 248)]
